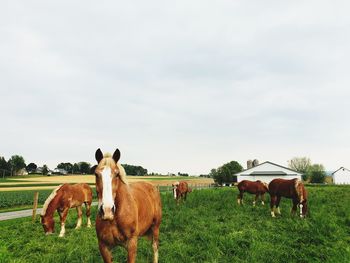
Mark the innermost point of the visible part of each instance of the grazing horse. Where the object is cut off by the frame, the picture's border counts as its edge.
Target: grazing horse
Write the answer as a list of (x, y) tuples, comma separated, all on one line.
[(293, 189), (180, 190), (125, 211), (61, 199), (258, 188)]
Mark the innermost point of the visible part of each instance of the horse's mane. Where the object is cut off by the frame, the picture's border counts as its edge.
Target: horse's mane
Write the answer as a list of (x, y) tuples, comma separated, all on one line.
[(107, 158), (49, 199)]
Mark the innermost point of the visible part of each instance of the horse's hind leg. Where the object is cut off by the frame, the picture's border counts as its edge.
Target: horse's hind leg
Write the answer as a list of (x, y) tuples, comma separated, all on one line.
[(88, 213), (80, 213)]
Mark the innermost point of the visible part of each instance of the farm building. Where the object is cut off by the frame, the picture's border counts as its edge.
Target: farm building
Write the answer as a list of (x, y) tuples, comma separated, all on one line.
[(341, 176), (266, 172)]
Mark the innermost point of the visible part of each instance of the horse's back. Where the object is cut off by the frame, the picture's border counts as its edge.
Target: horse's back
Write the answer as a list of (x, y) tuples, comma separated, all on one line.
[(282, 187)]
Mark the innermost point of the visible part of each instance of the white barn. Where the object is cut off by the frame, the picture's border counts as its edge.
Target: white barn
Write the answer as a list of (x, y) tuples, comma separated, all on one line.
[(341, 176), (266, 172)]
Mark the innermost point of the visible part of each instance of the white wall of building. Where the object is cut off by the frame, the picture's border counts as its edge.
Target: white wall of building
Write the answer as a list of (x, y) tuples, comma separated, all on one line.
[(342, 176)]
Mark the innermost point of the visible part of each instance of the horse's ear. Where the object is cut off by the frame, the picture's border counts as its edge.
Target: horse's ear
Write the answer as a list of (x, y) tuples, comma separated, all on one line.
[(98, 155), (116, 155)]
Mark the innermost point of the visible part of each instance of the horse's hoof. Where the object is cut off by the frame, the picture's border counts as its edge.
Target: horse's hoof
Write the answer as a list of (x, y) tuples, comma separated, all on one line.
[(61, 235)]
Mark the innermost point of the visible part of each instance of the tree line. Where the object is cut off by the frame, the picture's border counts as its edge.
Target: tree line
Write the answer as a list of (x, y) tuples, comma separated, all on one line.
[(16, 164)]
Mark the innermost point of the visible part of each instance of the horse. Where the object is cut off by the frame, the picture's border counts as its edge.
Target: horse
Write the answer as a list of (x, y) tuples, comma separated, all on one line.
[(61, 199), (258, 188), (293, 189), (125, 211), (180, 190)]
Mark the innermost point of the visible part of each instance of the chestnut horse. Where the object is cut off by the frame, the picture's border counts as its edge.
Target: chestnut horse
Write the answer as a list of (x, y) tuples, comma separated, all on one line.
[(180, 190), (258, 188), (293, 189), (125, 211), (61, 199)]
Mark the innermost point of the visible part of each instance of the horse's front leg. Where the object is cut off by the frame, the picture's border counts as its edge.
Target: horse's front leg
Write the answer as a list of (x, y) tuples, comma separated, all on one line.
[(105, 252), (63, 217), (80, 213), (240, 198), (88, 213), (262, 197), (255, 199), (272, 205), (294, 208), (132, 249)]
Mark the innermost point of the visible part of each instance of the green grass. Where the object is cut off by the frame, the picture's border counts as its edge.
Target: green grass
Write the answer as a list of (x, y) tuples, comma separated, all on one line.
[(209, 227)]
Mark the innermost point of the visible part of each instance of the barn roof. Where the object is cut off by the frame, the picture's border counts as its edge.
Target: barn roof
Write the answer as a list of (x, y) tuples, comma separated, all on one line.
[(280, 170), (341, 169)]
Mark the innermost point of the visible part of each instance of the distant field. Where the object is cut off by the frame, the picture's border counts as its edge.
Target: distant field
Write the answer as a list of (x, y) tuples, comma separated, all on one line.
[(50, 182), (209, 227)]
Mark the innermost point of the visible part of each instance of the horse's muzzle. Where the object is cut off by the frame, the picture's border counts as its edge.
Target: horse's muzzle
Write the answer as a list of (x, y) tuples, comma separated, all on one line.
[(106, 213)]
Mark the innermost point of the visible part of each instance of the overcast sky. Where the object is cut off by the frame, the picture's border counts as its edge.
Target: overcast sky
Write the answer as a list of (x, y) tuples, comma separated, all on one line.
[(177, 86)]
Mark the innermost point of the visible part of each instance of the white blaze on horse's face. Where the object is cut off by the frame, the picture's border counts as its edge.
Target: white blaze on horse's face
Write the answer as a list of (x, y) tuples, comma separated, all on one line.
[(107, 194)]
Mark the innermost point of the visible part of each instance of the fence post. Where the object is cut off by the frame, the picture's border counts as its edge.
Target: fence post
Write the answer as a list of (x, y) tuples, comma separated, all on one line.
[(35, 205)]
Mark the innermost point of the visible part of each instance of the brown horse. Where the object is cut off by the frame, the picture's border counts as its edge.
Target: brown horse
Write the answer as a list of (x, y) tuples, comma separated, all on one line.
[(61, 199), (180, 190), (258, 188), (293, 189), (125, 211)]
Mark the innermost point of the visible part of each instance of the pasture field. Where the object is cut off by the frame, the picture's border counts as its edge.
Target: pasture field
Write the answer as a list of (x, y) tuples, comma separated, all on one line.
[(209, 227)]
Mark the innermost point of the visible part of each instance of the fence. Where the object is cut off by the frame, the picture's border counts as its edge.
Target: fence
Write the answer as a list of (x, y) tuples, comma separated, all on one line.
[(169, 187)]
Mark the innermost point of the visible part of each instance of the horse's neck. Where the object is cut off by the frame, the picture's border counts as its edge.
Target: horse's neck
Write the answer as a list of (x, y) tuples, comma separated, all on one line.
[(52, 206), (123, 196)]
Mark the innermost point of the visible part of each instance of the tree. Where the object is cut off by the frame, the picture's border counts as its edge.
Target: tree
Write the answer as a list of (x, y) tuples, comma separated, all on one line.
[(75, 169), (31, 168), (317, 173), (84, 167), (66, 166), (301, 165), (45, 169), (4, 167), (134, 170), (225, 173), (16, 163)]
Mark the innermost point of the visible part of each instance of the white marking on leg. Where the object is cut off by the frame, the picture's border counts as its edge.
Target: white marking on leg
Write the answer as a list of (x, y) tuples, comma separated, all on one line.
[(78, 223), (88, 222), (254, 203), (239, 201), (174, 192), (262, 202), (301, 210), (155, 253), (273, 213), (63, 230), (278, 211)]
